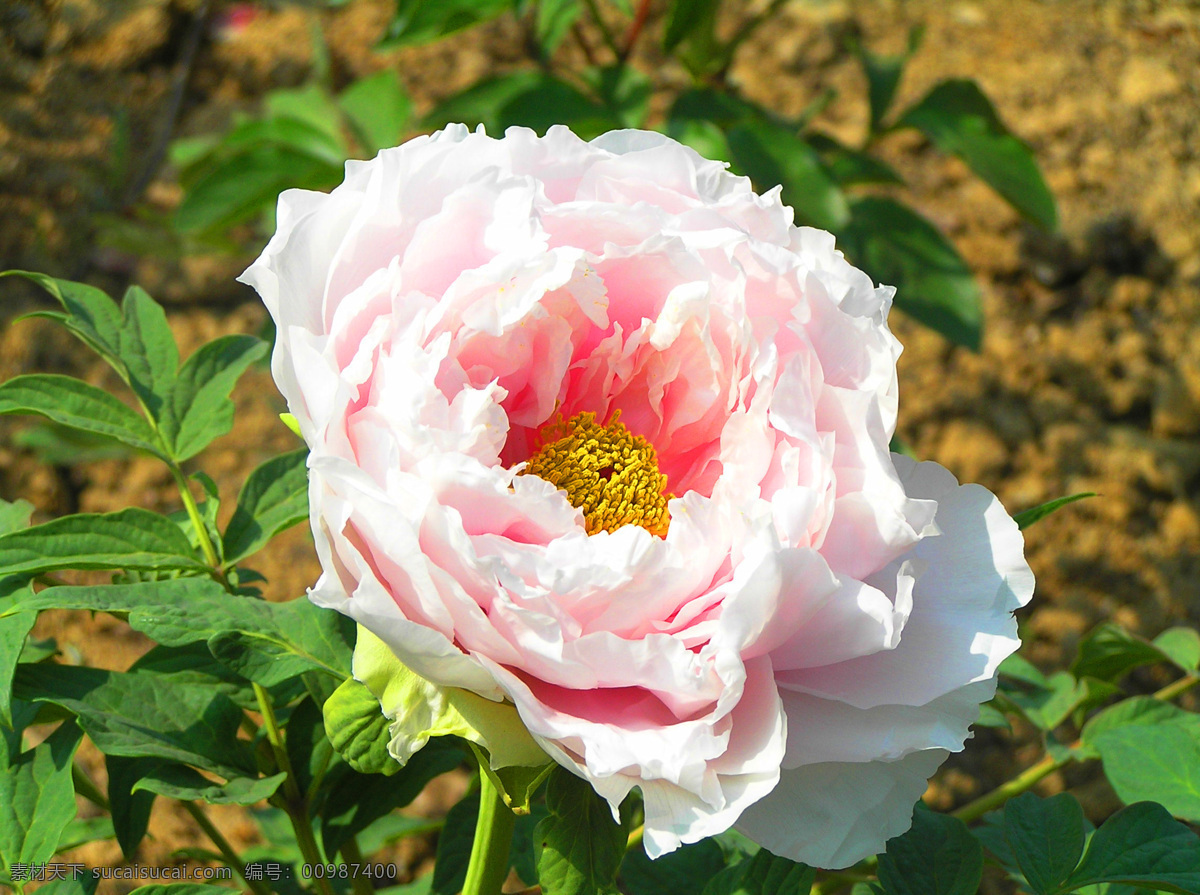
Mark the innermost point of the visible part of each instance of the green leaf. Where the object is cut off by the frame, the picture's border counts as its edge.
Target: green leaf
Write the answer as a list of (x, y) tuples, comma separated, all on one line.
[(1109, 652), (687, 18), (938, 856), (90, 314), (550, 101), (148, 349), (883, 76), (625, 92), (1048, 707), (1159, 763), (1181, 646), (200, 408), (960, 120), (772, 155), (144, 715), (358, 729), (14, 515), (1142, 845), (1137, 711), (578, 847), (132, 539), (290, 133), (83, 830), (454, 845), (180, 782), (356, 800), (13, 631), (762, 874), (1026, 518), (378, 109), (1046, 837), (422, 21), (270, 642), (237, 188), (130, 810), (72, 402), (482, 101), (685, 871), (274, 497), (310, 103), (849, 167), (37, 798), (897, 246), (57, 445), (554, 20), (293, 638)]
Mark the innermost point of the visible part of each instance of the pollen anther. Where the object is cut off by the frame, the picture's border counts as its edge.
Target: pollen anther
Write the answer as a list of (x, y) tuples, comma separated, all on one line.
[(608, 472)]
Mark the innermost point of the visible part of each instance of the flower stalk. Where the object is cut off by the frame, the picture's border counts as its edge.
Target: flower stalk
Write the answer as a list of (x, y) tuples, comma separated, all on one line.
[(488, 867)]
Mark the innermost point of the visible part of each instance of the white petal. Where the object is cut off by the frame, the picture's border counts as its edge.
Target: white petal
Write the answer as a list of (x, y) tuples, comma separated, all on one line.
[(835, 814)]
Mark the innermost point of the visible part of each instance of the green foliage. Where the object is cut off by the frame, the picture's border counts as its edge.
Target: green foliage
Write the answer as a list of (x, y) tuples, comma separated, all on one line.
[(1026, 518), (762, 874), (938, 856), (579, 846), (37, 799), (358, 729)]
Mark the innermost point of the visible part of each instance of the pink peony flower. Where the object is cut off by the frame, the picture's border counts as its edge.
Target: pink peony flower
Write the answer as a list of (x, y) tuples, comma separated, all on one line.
[(597, 432)]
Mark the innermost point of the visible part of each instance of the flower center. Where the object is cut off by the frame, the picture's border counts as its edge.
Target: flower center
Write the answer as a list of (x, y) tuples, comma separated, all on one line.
[(607, 471)]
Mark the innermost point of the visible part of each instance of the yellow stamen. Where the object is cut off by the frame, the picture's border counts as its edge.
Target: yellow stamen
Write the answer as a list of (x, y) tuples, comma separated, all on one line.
[(607, 471)]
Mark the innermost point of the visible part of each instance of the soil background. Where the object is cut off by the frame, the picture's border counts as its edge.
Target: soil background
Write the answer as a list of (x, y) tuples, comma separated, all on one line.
[(1089, 375)]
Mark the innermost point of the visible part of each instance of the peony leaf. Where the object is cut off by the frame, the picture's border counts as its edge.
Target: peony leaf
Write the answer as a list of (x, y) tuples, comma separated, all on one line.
[(73, 403), (14, 515), (82, 830), (37, 798), (1142, 845), (422, 21), (1026, 518), (938, 856), (358, 729), (883, 75), (84, 885), (1134, 712), (1181, 646), (762, 874), (685, 871), (266, 642), (1109, 652), (130, 810), (579, 846), (199, 407), (849, 167), (1159, 763), (554, 20), (355, 801), (148, 349), (772, 155), (273, 498), (132, 539), (960, 120), (1046, 837), (685, 18), (14, 629), (180, 782), (140, 714), (378, 109), (898, 247)]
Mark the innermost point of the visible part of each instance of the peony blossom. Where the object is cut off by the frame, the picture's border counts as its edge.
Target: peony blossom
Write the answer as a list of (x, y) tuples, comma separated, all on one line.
[(599, 435)]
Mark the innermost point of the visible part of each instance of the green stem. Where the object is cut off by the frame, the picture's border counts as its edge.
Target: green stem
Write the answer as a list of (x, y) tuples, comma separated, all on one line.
[(223, 846), (635, 838), (493, 836), (193, 511), (1170, 691), (294, 803), (359, 883), (1027, 779)]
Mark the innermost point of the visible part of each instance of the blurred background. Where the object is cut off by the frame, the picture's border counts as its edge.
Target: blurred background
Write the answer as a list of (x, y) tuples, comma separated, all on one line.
[(1051, 321)]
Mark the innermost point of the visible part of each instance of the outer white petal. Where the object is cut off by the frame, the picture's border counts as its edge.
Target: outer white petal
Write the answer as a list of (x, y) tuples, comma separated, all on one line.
[(974, 575), (837, 813)]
